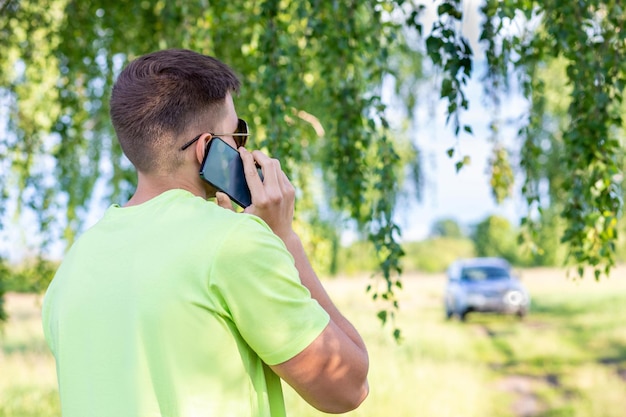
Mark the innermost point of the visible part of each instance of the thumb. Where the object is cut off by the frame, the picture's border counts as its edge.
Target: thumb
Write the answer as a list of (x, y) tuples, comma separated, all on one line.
[(223, 200)]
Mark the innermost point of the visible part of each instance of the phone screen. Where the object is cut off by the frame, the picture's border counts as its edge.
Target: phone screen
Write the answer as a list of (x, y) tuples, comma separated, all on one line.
[(222, 167)]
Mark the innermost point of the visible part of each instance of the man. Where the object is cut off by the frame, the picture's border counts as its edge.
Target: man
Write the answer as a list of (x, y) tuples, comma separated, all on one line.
[(176, 306)]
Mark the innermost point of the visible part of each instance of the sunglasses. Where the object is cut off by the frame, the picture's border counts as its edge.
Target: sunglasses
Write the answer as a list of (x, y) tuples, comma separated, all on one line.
[(240, 135)]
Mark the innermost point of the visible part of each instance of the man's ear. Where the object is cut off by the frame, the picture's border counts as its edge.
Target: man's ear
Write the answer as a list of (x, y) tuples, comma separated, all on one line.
[(201, 145)]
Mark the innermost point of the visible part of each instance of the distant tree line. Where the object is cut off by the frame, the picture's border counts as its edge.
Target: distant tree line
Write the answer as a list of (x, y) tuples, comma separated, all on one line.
[(497, 236), (492, 236)]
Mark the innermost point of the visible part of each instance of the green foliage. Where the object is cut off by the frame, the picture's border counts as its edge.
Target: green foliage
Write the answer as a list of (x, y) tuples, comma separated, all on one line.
[(3, 277), (32, 276), (451, 52), (312, 73), (431, 255), (355, 259), (620, 247), (544, 248), (521, 37), (501, 174), (494, 236), (436, 254), (30, 401), (321, 240), (446, 228)]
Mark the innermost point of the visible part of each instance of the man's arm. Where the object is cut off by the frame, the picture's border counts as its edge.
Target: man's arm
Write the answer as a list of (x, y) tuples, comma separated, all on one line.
[(330, 373)]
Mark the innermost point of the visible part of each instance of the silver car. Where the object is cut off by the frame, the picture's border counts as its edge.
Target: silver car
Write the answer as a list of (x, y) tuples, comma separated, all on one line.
[(484, 285)]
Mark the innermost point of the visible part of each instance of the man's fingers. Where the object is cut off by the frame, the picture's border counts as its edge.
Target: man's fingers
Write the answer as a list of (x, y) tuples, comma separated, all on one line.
[(268, 165), (249, 169), (223, 200), (273, 197), (286, 185), (267, 191), (272, 173)]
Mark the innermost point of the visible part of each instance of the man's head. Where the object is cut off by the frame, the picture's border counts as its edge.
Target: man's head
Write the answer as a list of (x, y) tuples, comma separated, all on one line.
[(162, 99)]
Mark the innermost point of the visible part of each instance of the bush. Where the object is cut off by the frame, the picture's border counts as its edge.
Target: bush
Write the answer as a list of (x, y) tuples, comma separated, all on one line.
[(494, 236), (3, 275), (432, 255), (436, 254), (357, 258), (32, 276)]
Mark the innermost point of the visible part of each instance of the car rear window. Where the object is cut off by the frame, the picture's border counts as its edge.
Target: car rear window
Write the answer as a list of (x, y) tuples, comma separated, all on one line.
[(482, 273)]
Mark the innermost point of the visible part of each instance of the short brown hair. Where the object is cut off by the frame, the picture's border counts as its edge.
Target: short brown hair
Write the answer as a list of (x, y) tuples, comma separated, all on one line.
[(159, 96)]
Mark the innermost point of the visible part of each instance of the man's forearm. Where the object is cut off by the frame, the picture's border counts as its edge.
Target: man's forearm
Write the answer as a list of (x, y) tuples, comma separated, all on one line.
[(310, 280)]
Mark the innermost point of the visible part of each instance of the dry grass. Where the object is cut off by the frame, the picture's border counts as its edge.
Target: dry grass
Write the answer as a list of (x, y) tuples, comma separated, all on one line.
[(568, 358)]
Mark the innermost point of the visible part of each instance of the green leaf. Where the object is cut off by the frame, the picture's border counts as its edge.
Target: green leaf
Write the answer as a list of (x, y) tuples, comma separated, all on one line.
[(382, 316)]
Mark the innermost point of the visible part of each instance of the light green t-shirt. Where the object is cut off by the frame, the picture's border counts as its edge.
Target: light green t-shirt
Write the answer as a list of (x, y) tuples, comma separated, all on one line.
[(173, 308)]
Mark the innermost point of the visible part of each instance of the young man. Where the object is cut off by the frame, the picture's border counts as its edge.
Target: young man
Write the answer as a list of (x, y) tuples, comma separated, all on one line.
[(175, 306)]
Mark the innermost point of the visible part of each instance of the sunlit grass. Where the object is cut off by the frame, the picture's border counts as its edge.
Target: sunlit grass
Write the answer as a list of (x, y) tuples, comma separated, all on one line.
[(27, 374), (567, 358)]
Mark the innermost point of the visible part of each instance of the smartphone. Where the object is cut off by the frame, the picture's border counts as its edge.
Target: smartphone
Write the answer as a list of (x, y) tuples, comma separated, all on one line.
[(222, 167)]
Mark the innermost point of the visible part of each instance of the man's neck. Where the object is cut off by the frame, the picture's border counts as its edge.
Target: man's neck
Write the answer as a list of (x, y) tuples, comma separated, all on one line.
[(150, 186)]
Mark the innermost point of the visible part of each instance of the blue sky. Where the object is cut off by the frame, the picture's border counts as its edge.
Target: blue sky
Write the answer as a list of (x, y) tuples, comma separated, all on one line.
[(464, 195)]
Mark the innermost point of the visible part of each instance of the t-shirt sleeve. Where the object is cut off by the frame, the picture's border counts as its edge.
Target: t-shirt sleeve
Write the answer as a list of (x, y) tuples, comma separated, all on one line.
[(48, 322), (255, 278)]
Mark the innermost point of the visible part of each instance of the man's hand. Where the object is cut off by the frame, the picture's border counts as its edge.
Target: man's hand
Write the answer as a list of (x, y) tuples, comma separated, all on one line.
[(273, 198)]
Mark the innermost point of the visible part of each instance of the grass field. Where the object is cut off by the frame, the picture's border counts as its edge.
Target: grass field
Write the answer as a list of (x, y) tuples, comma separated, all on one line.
[(567, 358)]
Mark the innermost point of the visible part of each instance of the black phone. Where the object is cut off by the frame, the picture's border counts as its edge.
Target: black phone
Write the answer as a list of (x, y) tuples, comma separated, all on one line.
[(222, 167)]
